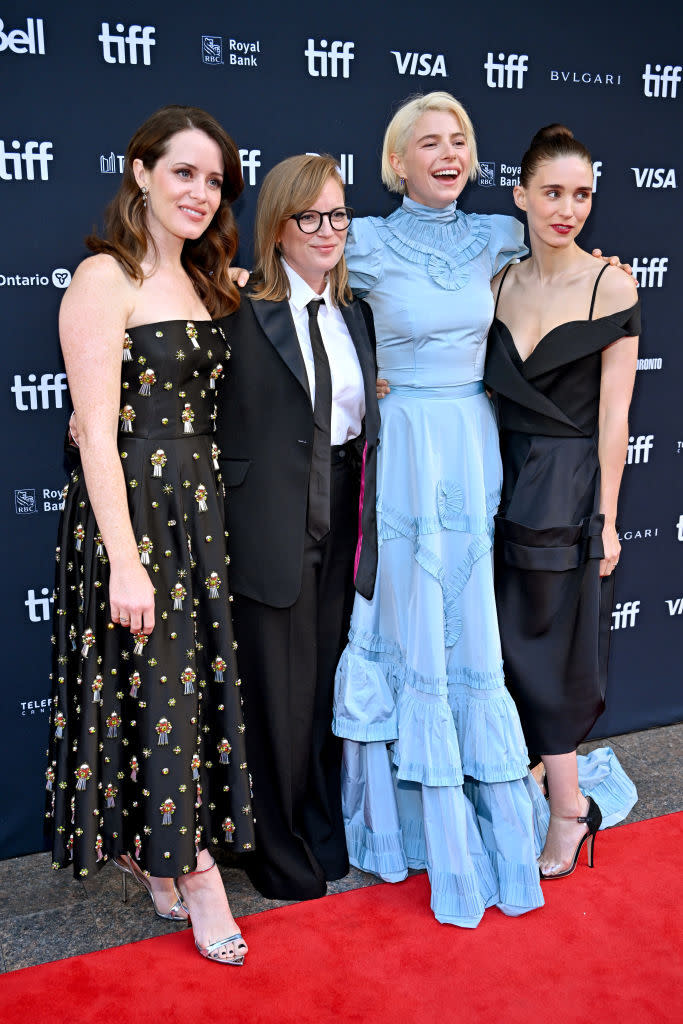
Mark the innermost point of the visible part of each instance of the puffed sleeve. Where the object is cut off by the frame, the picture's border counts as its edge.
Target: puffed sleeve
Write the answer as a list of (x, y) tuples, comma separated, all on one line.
[(506, 241), (364, 256)]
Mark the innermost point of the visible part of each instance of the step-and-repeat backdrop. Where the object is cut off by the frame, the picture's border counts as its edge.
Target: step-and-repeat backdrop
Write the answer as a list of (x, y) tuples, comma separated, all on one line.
[(302, 77)]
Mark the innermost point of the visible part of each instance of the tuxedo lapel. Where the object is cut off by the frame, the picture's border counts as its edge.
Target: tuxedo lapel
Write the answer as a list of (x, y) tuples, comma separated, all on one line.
[(276, 321), (354, 320)]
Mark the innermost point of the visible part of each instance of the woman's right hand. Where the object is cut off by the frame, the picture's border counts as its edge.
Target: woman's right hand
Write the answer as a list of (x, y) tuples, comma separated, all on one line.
[(238, 276), (131, 598), (383, 388)]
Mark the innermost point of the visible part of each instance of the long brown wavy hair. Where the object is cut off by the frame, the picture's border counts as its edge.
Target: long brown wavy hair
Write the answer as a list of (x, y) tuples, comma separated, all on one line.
[(291, 187), (126, 236)]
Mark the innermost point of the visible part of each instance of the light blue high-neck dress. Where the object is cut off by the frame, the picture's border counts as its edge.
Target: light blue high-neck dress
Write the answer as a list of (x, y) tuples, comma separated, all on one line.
[(435, 769)]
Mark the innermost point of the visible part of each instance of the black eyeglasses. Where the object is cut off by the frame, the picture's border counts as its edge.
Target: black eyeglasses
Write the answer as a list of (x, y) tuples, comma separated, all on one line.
[(311, 221)]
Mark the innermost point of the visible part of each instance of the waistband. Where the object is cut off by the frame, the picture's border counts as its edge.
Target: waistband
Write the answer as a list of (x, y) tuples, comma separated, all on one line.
[(444, 391)]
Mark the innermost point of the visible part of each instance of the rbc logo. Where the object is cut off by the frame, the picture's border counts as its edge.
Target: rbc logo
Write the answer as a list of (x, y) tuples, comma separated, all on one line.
[(38, 607), (657, 82), (650, 271), (637, 446), (25, 501), (487, 173), (320, 60), (34, 153), (407, 64), (50, 383), (114, 46), (212, 49), (624, 615), (501, 74)]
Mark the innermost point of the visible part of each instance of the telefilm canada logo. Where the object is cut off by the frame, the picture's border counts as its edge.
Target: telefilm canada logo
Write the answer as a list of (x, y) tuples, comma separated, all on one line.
[(29, 40), (333, 60), (60, 277), (124, 47), (422, 64), (507, 72)]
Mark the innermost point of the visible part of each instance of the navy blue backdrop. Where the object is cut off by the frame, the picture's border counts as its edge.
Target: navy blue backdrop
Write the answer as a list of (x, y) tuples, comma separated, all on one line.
[(76, 82)]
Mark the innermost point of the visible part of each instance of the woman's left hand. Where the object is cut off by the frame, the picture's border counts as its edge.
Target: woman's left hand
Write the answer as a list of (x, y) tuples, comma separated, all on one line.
[(614, 261), (383, 388), (238, 276), (612, 549)]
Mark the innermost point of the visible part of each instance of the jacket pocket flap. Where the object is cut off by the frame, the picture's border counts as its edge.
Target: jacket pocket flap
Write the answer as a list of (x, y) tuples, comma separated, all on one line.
[(234, 471)]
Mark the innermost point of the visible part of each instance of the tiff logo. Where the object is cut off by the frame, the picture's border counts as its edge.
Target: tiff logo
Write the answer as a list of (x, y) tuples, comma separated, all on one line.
[(420, 63), (50, 383), (501, 74), (637, 446), (624, 616), (249, 159), (675, 606), (114, 46), (38, 607), (655, 177), (597, 173), (319, 60), (18, 41), (34, 153), (679, 527), (657, 84), (112, 163), (650, 271)]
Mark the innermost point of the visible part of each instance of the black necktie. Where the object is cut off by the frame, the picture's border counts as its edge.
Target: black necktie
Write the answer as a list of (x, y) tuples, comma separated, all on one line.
[(319, 481)]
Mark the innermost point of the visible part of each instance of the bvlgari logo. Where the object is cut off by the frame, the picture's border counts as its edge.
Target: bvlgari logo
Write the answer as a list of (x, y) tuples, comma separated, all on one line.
[(585, 77)]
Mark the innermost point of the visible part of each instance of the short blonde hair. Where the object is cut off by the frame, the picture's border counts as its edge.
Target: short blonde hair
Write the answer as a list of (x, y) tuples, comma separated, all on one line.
[(292, 186), (403, 122)]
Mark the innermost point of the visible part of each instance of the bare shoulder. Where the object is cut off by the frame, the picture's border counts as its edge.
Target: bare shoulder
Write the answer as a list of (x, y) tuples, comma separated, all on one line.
[(616, 291), (99, 281), (511, 270)]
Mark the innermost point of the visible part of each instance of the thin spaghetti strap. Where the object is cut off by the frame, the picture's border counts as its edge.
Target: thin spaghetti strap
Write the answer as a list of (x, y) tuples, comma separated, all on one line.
[(595, 289), (500, 287)]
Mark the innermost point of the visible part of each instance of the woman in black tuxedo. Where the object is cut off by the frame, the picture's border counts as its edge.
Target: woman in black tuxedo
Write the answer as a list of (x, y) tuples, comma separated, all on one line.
[(297, 432)]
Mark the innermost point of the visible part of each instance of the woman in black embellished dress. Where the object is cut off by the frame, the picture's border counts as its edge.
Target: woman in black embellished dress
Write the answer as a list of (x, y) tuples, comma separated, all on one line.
[(562, 359), (147, 759)]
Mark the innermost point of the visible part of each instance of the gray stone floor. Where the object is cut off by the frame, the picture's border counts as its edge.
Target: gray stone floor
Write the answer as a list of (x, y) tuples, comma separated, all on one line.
[(47, 915)]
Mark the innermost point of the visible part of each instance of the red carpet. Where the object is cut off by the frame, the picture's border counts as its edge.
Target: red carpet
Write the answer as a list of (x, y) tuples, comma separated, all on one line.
[(605, 948)]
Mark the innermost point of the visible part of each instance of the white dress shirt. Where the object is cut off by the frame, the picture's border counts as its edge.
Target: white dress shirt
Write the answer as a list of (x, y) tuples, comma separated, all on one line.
[(348, 393)]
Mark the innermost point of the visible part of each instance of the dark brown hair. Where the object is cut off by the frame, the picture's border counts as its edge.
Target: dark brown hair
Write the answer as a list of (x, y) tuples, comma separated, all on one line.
[(207, 258), (291, 187), (555, 140)]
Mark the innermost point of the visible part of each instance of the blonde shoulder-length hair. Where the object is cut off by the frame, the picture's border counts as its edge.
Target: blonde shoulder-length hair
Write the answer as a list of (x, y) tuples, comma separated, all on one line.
[(401, 126), (292, 186)]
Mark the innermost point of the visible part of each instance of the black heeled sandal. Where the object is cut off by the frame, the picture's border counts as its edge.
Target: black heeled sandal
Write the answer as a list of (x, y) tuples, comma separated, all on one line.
[(594, 820)]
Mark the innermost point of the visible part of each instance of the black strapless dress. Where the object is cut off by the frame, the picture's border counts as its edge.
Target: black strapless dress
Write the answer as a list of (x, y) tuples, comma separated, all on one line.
[(554, 610), (147, 752)]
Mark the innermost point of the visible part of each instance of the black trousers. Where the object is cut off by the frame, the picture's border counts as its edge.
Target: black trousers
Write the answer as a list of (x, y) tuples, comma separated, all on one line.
[(287, 659)]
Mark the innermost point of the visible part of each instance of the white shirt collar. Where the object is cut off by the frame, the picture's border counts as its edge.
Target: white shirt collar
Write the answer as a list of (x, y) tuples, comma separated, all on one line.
[(302, 293)]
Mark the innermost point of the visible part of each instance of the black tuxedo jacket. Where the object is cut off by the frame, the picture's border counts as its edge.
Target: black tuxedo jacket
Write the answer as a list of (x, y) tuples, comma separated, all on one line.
[(265, 432)]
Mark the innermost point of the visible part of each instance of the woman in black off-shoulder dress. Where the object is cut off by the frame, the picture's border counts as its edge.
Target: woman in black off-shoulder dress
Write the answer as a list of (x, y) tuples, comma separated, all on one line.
[(147, 763), (561, 360)]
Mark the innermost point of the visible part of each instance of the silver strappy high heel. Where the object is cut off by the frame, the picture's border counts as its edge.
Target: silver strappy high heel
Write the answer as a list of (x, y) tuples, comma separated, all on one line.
[(178, 912)]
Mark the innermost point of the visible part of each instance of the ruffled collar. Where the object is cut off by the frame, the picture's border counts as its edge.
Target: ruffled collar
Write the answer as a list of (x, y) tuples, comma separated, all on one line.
[(444, 241)]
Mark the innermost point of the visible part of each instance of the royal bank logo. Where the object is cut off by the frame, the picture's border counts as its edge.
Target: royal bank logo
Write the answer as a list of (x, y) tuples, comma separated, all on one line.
[(422, 64), (639, 449), (32, 40), (624, 615), (34, 156), (649, 271), (487, 173), (585, 77), (663, 82), (112, 163), (212, 49), (507, 72), (323, 62), (60, 278), (25, 501), (38, 607), (49, 391), (655, 177), (249, 159), (124, 47)]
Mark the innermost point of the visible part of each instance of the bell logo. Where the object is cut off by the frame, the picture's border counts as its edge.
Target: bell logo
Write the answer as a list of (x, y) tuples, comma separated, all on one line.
[(33, 153), (18, 41), (657, 82), (114, 46), (649, 271), (319, 61), (624, 615), (506, 74), (38, 607), (249, 159), (637, 446), (345, 166), (422, 64), (654, 177), (50, 384)]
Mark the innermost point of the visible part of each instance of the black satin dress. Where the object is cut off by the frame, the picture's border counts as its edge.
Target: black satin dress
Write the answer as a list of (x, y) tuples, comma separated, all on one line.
[(554, 610)]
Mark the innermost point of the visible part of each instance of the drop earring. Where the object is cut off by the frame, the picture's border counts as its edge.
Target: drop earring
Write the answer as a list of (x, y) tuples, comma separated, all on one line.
[(144, 192)]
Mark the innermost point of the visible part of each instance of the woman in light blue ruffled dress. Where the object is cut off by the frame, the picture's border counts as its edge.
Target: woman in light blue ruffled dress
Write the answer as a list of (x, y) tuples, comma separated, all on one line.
[(435, 768)]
